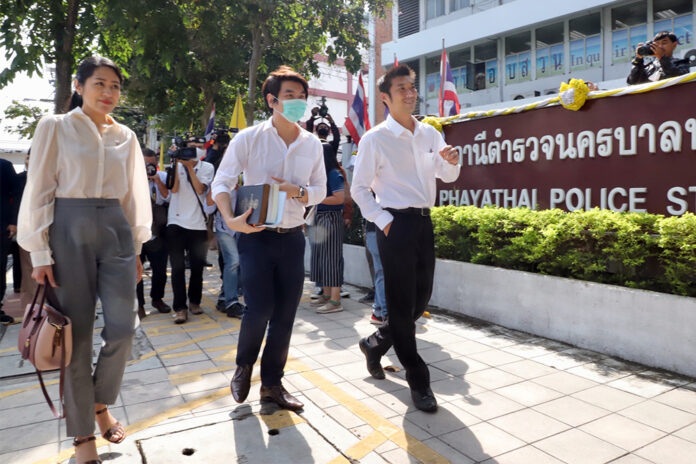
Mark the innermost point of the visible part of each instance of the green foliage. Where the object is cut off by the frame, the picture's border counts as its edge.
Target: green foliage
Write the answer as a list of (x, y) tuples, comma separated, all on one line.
[(29, 118), (631, 249)]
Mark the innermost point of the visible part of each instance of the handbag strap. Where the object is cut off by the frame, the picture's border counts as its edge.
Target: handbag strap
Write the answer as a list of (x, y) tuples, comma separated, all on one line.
[(48, 293)]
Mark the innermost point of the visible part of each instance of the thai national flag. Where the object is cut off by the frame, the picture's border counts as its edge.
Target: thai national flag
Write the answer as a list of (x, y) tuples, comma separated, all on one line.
[(449, 101), (209, 129), (358, 121)]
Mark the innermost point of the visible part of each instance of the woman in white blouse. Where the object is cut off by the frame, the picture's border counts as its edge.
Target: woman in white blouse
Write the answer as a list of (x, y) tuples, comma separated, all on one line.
[(84, 216)]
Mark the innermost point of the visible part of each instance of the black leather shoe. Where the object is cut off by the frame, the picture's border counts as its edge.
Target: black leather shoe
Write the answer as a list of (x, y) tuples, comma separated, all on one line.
[(161, 306), (281, 397), (424, 400), (374, 367), (241, 381)]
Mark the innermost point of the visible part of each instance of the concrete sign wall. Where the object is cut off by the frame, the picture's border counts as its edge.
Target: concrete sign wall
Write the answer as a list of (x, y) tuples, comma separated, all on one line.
[(631, 153)]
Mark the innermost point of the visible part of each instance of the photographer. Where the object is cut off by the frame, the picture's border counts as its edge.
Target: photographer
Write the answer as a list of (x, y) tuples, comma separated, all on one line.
[(186, 225), (213, 155), (155, 249), (663, 66)]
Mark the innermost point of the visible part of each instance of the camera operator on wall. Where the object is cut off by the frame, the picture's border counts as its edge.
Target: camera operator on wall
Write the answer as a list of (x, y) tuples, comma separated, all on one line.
[(664, 65), (188, 180)]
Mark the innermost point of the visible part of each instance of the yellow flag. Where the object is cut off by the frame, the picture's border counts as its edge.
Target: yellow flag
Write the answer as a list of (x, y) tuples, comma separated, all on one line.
[(161, 160), (238, 120), (191, 128)]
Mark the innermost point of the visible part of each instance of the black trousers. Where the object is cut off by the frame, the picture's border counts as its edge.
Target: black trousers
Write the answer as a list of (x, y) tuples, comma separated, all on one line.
[(156, 252), (273, 276), (408, 259), (5, 244), (180, 240)]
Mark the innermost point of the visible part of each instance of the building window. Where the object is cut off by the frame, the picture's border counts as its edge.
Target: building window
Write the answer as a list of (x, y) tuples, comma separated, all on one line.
[(409, 17), (675, 16), (432, 80), (629, 28), (549, 50), (459, 4), (434, 8), (458, 62), (483, 72), (518, 58), (585, 42)]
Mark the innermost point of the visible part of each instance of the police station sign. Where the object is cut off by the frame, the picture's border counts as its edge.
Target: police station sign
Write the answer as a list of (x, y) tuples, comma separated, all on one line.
[(630, 153)]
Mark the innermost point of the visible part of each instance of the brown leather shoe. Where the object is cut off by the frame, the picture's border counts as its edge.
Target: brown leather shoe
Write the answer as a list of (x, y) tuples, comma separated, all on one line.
[(241, 382), (195, 308), (181, 316), (281, 397)]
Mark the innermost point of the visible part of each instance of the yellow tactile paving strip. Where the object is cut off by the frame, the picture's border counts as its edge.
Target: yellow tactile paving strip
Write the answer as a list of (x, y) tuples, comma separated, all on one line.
[(161, 324)]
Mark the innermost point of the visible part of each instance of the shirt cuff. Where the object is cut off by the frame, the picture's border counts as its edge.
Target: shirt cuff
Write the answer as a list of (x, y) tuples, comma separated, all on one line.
[(219, 188), (41, 258), (384, 218)]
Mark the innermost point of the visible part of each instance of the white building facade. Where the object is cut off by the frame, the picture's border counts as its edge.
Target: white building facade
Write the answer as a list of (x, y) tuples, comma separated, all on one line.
[(504, 50)]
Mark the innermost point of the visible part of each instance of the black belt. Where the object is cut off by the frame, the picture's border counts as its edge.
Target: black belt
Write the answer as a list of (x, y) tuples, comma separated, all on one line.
[(281, 230), (418, 211)]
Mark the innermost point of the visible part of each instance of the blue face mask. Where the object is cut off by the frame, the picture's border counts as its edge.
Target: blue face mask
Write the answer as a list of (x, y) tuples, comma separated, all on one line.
[(294, 109)]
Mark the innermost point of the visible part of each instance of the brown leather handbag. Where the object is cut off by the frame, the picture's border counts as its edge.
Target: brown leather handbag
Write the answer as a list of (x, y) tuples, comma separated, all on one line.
[(45, 339)]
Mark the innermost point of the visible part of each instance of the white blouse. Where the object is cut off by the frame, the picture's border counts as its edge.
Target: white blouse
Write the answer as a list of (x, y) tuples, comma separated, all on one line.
[(70, 159)]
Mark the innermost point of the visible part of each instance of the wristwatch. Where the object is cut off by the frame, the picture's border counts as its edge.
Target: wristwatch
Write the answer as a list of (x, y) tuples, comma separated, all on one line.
[(302, 192)]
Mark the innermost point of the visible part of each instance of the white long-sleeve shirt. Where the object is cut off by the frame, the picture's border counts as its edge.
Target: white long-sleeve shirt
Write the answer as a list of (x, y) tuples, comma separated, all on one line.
[(70, 159), (400, 167), (259, 153)]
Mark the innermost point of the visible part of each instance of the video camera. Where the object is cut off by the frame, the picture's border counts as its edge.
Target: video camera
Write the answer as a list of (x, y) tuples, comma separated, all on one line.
[(221, 136), (183, 151), (322, 110)]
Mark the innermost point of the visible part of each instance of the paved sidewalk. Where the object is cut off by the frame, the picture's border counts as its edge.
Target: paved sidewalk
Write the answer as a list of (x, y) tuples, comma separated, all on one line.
[(505, 397)]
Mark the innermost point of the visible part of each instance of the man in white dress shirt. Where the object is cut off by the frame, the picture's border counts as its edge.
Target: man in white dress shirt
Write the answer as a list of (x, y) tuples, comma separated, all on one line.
[(399, 160), (272, 258)]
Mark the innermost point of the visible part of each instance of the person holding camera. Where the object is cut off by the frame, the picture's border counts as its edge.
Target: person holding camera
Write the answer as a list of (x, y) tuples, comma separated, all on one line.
[(272, 258), (663, 66), (155, 249), (187, 230)]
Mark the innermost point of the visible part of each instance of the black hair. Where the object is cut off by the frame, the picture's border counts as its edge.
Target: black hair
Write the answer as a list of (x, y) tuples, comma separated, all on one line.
[(85, 70), (149, 153), (384, 82), (662, 34), (275, 80)]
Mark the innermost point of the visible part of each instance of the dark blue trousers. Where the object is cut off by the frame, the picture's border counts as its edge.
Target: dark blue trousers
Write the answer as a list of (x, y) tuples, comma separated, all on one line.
[(272, 277)]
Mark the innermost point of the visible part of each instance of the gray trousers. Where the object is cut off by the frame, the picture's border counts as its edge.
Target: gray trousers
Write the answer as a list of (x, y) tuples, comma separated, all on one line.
[(94, 258)]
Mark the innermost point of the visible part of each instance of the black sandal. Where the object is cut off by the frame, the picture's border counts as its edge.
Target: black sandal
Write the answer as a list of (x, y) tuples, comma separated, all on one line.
[(115, 428), (77, 443)]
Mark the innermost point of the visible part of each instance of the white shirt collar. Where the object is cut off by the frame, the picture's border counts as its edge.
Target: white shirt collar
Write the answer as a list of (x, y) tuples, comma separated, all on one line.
[(397, 129)]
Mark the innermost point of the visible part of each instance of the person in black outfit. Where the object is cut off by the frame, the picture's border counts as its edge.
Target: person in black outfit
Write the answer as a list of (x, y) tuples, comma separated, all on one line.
[(663, 66), (155, 249), (9, 206)]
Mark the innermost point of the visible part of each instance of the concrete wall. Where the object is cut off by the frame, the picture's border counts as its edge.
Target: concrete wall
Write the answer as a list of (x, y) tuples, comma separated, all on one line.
[(650, 328)]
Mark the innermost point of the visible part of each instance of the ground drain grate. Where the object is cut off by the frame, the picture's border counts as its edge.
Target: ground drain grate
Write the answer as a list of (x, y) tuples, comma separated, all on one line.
[(188, 451)]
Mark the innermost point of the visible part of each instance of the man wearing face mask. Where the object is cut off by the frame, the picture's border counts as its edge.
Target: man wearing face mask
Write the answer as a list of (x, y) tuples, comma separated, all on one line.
[(187, 232), (272, 258)]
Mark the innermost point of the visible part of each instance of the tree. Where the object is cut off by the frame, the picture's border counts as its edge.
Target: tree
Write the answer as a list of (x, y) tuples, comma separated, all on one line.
[(47, 31), (184, 56), (30, 116)]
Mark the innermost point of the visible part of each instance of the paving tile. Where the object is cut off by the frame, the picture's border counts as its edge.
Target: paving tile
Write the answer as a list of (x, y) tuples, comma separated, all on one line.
[(671, 449), (529, 425), (24, 415), (564, 382), (460, 365), (571, 411), (386, 446), (337, 358), (488, 405), (608, 398), (526, 455), (352, 390), (496, 341), (373, 458), (597, 372), (631, 459), (432, 355), (680, 398), (343, 416), (398, 456), (468, 347), (144, 393), (352, 371), (29, 436), (494, 357), (528, 369), (687, 433), (623, 432), (448, 418), (446, 451), (640, 386), (144, 377), (151, 408), (35, 454), (410, 428), (482, 441), (579, 447), (492, 378), (528, 350), (528, 393), (659, 416), (207, 382), (453, 388), (319, 398), (398, 400), (310, 349)]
